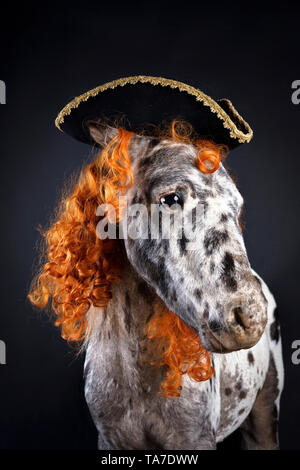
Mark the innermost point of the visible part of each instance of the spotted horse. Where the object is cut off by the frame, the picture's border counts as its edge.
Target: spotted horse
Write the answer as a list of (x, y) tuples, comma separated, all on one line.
[(111, 292), (213, 290)]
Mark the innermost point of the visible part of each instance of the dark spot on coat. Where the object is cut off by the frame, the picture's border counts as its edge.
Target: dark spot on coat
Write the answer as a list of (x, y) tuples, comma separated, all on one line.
[(242, 394), (198, 294), (127, 315), (148, 244), (163, 276), (182, 242), (214, 325), (239, 385), (165, 246), (174, 295), (214, 239), (250, 358), (228, 272), (151, 440), (194, 219), (145, 290), (241, 411), (206, 311), (191, 310), (228, 391), (224, 218), (156, 271), (275, 328), (104, 316)]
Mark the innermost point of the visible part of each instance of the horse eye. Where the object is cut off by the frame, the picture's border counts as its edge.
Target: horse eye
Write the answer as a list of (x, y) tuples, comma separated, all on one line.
[(170, 200)]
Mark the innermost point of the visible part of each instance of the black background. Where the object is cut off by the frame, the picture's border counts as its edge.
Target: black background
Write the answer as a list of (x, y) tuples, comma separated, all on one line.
[(51, 52)]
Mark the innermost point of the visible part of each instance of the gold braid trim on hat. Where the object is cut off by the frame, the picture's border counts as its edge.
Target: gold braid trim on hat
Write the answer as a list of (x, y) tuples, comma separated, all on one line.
[(235, 133)]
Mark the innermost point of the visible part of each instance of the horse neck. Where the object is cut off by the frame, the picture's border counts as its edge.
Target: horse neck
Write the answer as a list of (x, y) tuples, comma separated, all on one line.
[(118, 340)]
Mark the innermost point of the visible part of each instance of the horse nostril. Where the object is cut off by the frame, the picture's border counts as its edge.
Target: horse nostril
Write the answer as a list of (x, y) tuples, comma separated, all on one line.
[(241, 318)]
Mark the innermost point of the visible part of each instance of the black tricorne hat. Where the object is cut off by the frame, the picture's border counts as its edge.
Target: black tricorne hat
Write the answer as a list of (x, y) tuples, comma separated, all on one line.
[(145, 101)]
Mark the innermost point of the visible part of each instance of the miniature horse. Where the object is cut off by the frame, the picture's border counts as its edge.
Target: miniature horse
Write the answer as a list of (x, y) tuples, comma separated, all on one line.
[(216, 302)]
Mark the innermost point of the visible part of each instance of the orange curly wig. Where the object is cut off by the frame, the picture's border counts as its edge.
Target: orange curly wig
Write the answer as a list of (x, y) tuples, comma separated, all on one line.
[(183, 352), (81, 268)]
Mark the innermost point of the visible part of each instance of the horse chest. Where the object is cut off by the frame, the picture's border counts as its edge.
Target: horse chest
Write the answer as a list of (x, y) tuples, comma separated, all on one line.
[(130, 419), (129, 413)]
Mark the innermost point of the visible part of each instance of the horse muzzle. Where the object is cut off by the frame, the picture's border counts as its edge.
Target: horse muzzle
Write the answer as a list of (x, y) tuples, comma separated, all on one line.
[(241, 328)]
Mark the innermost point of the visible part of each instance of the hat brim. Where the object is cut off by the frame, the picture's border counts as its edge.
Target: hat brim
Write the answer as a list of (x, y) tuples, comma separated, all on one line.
[(142, 102)]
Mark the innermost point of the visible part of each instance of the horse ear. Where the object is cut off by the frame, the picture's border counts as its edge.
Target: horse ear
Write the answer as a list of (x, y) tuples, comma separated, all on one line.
[(101, 133), (140, 144)]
